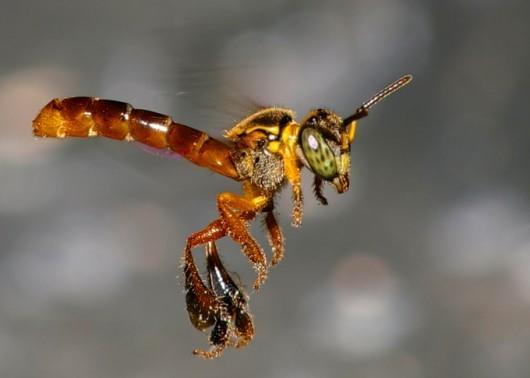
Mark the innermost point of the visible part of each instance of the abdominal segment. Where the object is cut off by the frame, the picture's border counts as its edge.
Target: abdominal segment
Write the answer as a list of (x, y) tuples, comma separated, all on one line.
[(89, 117)]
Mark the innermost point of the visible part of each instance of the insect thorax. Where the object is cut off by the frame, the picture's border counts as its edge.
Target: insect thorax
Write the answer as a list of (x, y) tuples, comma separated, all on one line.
[(251, 136), (260, 167)]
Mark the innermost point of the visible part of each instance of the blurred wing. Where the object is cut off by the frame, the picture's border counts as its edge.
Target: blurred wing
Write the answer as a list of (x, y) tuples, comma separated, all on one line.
[(213, 101)]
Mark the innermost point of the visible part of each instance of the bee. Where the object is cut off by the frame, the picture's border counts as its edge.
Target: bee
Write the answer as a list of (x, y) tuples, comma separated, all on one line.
[(265, 151)]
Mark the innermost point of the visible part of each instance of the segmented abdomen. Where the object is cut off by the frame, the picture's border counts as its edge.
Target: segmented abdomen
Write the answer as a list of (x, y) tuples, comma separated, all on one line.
[(89, 116)]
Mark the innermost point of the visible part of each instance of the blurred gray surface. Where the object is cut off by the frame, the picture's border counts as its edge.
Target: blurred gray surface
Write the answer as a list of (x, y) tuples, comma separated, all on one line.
[(421, 270)]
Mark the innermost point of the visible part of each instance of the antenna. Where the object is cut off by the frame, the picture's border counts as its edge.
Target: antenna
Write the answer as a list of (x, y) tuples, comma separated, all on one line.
[(362, 111)]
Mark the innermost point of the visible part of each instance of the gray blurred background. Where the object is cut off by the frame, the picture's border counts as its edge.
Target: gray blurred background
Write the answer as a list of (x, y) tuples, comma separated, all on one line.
[(421, 270)]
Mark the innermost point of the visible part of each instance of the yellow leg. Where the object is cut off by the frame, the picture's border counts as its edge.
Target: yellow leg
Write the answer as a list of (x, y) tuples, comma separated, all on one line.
[(292, 171)]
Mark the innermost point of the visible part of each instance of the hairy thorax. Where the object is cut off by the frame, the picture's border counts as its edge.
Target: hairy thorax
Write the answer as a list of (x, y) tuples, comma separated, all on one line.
[(262, 168)]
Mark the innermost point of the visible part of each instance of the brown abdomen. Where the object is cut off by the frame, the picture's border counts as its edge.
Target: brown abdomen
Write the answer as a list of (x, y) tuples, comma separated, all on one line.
[(89, 116)]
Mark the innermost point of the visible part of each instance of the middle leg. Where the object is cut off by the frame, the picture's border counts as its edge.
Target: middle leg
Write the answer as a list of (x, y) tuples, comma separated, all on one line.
[(275, 236)]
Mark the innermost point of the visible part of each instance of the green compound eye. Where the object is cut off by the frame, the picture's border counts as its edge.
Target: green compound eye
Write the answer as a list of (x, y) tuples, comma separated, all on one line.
[(318, 154)]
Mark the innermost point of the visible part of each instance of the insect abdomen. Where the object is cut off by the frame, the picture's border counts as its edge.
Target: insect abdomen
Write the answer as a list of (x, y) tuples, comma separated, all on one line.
[(90, 116)]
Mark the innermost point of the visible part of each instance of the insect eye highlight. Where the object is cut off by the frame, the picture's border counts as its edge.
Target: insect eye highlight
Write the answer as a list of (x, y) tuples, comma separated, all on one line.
[(318, 154)]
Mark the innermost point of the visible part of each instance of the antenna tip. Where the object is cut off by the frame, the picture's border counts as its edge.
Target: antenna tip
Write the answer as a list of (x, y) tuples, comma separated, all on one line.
[(405, 79)]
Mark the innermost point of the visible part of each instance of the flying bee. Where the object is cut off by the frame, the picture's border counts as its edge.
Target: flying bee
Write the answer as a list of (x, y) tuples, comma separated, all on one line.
[(265, 151)]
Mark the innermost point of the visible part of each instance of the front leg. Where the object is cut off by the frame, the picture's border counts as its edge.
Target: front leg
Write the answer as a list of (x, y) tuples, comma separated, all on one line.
[(235, 211), (298, 205), (292, 171), (319, 190)]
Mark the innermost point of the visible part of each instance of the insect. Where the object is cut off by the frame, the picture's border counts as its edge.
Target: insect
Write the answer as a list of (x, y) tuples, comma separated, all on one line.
[(264, 151)]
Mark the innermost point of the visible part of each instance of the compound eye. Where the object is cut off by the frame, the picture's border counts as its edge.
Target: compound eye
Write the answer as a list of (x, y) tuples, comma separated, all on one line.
[(318, 153)]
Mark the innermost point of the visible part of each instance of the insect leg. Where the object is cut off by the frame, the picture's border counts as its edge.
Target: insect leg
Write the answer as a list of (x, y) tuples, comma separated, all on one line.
[(202, 304), (244, 328), (292, 171), (200, 300), (234, 211), (275, 236), (204, 307), (232, 296), (318, 190), (219, 338)]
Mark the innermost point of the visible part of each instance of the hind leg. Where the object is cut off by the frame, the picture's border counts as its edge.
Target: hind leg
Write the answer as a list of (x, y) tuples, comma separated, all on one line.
[(235, 211), (202, 304), (205, 309)]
